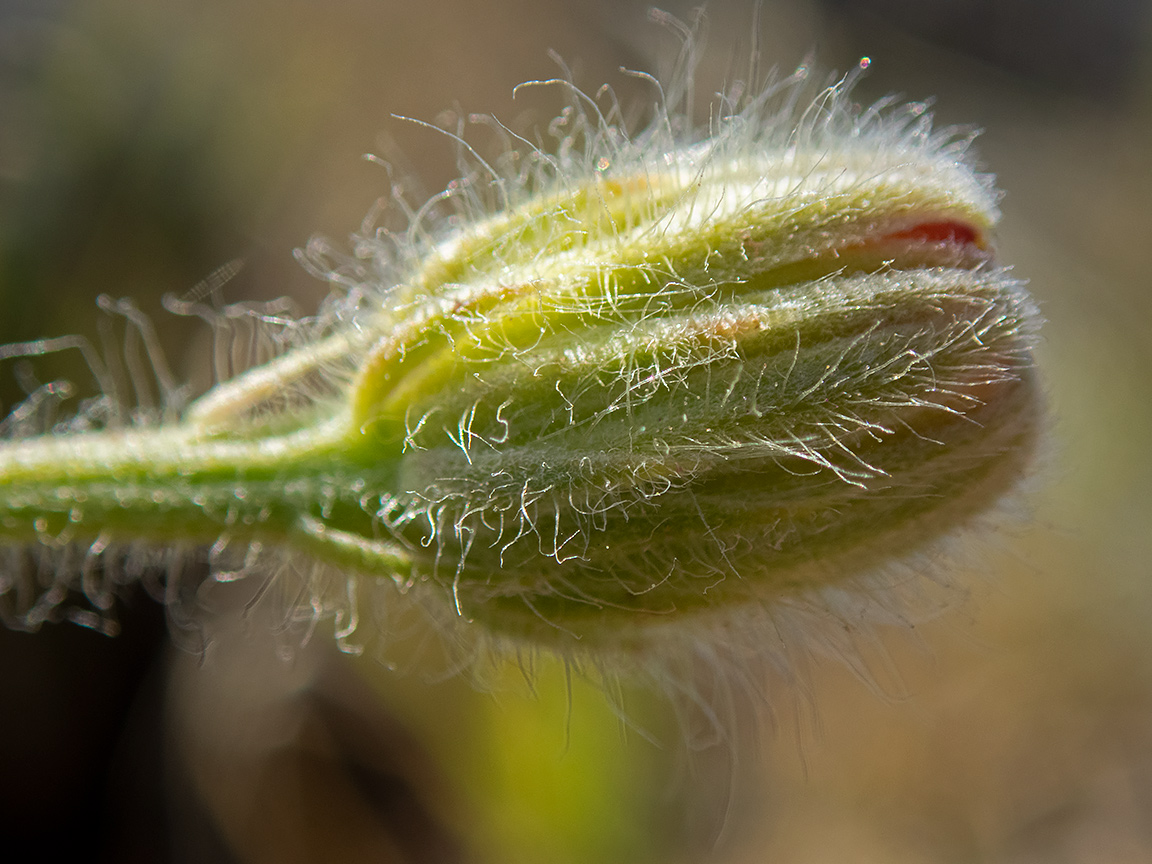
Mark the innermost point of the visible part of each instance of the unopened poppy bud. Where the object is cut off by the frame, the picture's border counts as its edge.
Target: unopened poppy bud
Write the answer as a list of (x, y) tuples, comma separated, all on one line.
[(690, 378), (705, 384)]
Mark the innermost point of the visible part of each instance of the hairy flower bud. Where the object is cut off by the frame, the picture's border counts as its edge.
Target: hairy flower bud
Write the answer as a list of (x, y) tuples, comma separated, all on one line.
[(661, 379), (702, 387)]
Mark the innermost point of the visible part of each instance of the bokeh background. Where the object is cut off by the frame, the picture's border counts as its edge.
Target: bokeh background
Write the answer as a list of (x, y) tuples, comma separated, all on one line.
[(146, 143)]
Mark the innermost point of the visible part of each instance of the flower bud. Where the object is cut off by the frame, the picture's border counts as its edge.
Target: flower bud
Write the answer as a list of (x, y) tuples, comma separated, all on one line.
[(661, 380), (702, 384)]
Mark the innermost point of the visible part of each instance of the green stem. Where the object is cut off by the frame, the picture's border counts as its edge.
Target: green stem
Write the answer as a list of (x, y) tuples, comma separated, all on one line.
[(173, 484)]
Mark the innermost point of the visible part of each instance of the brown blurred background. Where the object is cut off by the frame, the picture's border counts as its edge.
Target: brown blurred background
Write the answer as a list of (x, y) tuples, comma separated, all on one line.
[(145, 143)]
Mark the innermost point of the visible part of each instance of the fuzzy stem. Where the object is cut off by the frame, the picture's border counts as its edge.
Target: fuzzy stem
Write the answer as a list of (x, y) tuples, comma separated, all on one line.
[(172, 484)]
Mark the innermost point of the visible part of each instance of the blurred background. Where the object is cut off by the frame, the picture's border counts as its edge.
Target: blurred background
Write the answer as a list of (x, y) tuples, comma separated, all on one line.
[(144, 144)]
